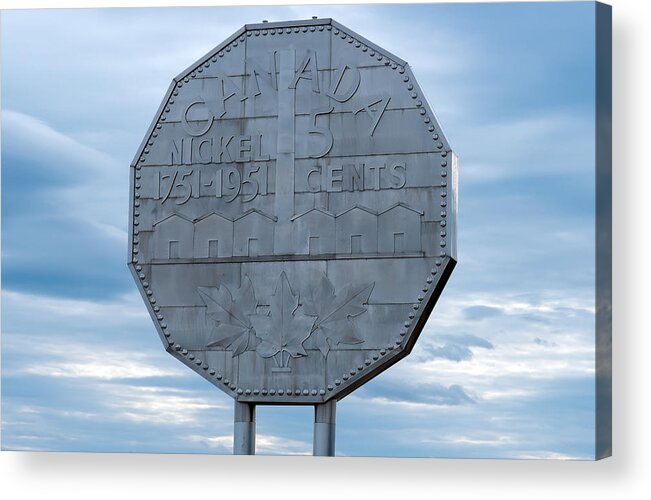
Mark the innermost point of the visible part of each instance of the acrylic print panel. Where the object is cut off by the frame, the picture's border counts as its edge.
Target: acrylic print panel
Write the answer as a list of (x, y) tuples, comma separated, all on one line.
[(512, 363)]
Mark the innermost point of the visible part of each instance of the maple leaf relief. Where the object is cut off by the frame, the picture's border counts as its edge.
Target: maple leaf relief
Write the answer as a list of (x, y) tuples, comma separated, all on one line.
[(334, 312), (285, 328), (289, 323), (234, 329)]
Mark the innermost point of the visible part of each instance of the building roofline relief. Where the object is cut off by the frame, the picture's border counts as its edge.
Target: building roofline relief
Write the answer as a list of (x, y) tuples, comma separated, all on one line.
[(404, 205), (173, 215)]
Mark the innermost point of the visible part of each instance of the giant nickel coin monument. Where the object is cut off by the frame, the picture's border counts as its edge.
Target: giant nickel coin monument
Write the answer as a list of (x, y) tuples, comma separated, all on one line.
[(293, 218)]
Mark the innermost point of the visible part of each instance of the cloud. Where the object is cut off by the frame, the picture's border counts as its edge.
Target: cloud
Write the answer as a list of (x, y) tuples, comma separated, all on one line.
[(125, 417), (74, 194), (60, 175), (265, 444), (417, 394), (530, 415), (158, 405), (457, 347), (544, 343), (452, 352), (220, 443), (104, 366), (498, 440), (481, 312), (83, 368), (509, 361), (121, 309), (531, 145), (62, 338)]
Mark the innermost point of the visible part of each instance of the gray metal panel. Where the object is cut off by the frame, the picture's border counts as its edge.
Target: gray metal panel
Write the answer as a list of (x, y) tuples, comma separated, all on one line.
[(381, 319), (356, 231), (392, 277), (177, 284), (174, 237), (387, 139), (293, 213), (265, 274), (196, 326), (399, 230), (213, 236), (313, 232), (253, 235)]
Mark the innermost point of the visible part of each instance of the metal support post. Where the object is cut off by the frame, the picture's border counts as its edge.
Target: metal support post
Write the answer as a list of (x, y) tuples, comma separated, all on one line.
[(325, 415), (244, 429)]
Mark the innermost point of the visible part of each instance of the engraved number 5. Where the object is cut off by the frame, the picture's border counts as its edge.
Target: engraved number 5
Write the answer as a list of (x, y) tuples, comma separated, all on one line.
[(249, 179), (324, 131)]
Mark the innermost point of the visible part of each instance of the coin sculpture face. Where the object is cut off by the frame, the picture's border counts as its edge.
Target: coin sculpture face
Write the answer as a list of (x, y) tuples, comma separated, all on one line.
[(293, 213)]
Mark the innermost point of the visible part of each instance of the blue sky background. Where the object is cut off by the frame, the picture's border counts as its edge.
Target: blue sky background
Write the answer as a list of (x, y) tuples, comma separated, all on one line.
[(505, 366)]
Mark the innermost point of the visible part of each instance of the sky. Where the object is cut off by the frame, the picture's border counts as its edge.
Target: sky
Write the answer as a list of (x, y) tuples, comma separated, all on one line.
[(505, 365)]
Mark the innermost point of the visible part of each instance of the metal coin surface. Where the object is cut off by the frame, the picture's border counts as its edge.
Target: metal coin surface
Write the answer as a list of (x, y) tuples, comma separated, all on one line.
[(293, 213)]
